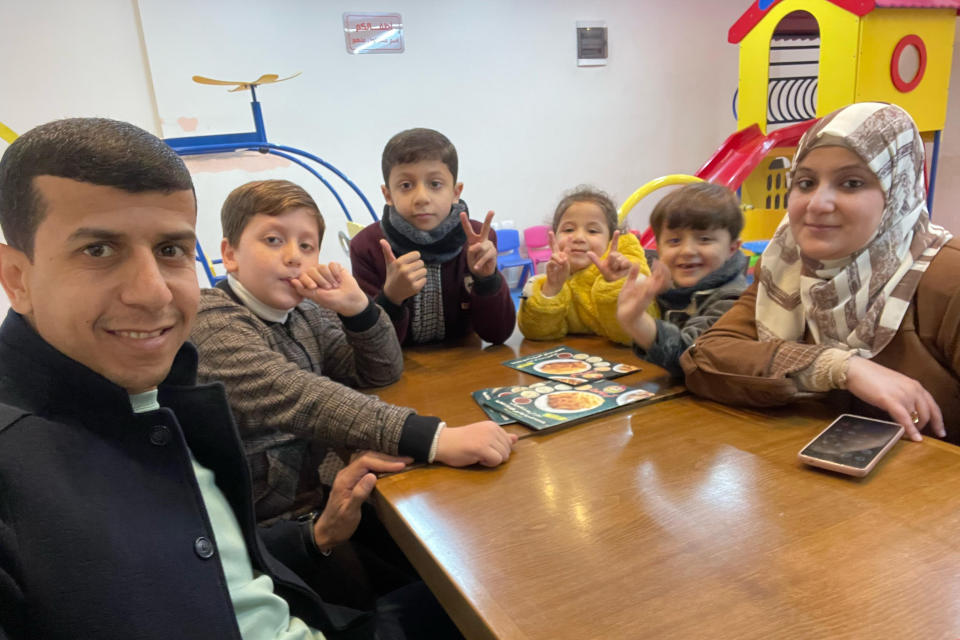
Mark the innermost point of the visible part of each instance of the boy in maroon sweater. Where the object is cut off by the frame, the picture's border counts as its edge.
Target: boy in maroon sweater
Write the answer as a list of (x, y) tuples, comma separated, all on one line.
[(431, 268)]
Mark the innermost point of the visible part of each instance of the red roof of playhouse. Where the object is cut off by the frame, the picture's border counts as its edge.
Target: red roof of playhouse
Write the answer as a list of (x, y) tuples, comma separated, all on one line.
[(759, 8)]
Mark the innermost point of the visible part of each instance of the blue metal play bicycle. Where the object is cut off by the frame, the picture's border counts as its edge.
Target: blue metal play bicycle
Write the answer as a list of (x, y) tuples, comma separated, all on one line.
[(256, 140)]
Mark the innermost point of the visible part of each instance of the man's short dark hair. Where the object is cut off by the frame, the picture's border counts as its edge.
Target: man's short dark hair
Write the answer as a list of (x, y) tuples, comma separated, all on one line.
[(99, 151), (269, 197), (416, 145), (701, 206)]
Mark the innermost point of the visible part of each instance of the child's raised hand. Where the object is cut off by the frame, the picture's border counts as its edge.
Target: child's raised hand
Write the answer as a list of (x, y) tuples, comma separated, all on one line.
[(481, 252), (643, 291), (615, 265), (406, 275), (635, 296), (332, 287), (558, 268)]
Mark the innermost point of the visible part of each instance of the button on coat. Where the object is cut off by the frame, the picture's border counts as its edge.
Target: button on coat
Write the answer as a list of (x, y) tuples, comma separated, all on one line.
[(203, 547)]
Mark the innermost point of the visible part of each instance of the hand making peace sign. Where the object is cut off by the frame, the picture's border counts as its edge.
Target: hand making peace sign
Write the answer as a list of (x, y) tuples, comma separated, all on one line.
[(638, 292), (615, 265), (636, 295), (558, 268), (481, 252)]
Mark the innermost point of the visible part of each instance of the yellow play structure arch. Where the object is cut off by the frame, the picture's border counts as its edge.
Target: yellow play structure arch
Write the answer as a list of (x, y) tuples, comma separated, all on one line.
[(653, 185), (7, 134)]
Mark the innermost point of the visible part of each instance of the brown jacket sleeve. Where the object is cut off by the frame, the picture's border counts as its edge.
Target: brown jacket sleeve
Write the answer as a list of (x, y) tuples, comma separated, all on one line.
[(938, 307), (728, 364)]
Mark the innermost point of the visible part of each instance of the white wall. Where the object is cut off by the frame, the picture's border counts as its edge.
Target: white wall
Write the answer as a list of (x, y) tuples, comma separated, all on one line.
[(60, 58), (499, 78)]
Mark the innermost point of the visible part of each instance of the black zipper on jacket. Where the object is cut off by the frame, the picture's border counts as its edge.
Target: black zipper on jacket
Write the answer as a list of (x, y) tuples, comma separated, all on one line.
[(290, 335)]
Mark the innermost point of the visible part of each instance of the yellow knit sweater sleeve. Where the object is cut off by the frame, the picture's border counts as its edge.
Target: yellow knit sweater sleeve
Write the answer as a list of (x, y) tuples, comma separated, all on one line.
[(540, 317)]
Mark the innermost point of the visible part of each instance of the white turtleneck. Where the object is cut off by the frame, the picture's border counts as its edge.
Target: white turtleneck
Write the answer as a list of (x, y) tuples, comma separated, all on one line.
[(250, 301)]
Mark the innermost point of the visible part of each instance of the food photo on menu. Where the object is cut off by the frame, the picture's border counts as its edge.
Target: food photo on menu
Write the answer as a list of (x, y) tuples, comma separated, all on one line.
[(552, 403), (570, 366), (481, 396)]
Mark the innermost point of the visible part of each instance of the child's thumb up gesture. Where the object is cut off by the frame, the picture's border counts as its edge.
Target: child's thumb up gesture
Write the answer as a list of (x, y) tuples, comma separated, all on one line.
[(406, 275)]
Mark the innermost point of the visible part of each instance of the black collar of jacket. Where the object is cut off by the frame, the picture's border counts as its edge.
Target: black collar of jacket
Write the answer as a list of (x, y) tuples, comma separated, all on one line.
[(36, 376)]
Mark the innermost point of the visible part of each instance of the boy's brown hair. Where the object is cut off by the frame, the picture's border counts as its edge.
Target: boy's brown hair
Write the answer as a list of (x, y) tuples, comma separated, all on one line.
[(585, 193), (416, 145), (269, 197), (701, 205)]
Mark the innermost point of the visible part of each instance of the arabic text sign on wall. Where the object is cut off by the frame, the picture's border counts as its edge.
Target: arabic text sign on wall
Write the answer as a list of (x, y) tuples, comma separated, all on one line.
[(373, 32)]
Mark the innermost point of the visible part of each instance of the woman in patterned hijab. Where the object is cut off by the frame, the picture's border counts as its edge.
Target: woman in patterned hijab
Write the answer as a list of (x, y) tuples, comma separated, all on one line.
[(838, 278)]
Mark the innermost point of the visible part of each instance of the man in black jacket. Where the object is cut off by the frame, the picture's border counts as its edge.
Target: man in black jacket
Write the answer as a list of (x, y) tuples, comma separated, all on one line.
[(125, 501)]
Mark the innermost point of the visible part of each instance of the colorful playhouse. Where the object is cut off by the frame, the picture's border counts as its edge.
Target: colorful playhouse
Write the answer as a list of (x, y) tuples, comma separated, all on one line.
[(801, 59)]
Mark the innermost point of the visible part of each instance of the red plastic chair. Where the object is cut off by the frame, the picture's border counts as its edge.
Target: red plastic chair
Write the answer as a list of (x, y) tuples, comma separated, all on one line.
[(538, 244)]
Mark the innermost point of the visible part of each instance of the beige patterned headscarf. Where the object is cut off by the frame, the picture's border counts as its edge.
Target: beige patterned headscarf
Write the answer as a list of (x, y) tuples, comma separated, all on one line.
[(858, 302)]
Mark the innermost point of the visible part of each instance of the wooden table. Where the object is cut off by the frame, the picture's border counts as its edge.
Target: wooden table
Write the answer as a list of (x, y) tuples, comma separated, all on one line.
[(679, 519), (439, 380)]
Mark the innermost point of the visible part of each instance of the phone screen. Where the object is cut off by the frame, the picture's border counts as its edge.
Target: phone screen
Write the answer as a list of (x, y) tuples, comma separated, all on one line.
[(852, 441)]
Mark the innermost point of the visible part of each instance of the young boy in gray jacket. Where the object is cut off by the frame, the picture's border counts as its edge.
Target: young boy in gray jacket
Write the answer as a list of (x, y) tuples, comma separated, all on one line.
[(699, 275)]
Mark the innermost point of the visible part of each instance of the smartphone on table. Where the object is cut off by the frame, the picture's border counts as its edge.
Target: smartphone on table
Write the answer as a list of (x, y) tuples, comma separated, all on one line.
[(851, 444)]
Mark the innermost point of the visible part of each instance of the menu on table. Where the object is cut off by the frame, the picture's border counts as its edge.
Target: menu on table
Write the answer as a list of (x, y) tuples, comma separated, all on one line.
[(570, 366), (552, 403), (481, 396)]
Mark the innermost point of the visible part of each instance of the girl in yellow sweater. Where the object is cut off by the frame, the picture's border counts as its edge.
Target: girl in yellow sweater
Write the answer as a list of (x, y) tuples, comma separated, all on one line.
[(578, 293)]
